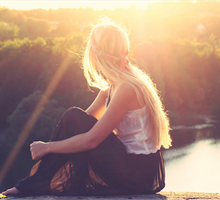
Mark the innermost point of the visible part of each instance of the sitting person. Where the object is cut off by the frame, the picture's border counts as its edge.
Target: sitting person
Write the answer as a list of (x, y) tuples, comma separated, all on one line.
[(112, 148)]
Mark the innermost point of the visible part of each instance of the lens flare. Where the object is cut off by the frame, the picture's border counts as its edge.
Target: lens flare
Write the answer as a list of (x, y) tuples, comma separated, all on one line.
[(34, 117)]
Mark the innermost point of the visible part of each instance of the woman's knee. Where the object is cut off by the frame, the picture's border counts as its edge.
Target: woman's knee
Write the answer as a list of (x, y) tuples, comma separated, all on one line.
[(72, 113), (75, 115)]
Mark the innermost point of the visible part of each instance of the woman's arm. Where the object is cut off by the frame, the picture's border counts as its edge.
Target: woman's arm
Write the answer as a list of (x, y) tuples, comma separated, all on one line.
[(122, 101), (97, 108)]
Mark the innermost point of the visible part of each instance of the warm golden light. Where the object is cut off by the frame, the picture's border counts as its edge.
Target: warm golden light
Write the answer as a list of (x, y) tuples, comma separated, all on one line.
[(96, 5), (177, 42)]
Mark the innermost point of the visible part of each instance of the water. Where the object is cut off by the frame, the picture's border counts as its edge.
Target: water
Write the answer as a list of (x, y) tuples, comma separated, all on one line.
[(196, 166)]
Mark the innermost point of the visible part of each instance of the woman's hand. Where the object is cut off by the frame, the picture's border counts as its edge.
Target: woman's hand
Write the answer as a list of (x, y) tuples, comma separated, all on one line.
[(39, 149)]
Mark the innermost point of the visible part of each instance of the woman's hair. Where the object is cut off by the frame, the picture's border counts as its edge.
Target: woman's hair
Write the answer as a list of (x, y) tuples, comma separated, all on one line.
[(105, 61)]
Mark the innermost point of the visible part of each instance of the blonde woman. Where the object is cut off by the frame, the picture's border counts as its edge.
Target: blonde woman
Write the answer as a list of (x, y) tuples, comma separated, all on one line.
[(113, 147)]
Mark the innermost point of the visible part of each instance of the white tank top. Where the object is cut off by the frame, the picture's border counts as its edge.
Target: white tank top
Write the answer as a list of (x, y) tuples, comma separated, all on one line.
[(133, 133)]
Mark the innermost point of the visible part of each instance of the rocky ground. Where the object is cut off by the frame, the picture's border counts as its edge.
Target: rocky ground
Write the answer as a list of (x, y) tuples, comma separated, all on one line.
[(159, 196)]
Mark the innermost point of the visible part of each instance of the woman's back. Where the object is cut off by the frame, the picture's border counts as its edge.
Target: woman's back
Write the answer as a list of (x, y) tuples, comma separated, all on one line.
[(134, 133), (133, 130)]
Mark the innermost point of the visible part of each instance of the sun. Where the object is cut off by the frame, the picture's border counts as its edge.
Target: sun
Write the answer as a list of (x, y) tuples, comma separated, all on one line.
[(96, 5)]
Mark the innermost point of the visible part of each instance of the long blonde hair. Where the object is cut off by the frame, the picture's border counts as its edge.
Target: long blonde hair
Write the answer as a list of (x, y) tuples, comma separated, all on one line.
[(112, 39)]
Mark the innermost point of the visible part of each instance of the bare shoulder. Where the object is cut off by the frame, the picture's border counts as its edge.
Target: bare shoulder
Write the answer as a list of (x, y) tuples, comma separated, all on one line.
[(126, 96), (126, 90)]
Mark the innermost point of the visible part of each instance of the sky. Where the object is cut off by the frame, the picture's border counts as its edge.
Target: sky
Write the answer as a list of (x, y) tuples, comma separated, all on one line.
[(96, 5)]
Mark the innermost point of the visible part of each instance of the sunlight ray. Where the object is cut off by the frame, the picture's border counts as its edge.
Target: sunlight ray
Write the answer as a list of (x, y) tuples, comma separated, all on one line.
[(34, 117)]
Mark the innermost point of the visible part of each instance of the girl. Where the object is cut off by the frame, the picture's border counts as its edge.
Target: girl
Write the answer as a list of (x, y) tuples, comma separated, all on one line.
[(113, 147)]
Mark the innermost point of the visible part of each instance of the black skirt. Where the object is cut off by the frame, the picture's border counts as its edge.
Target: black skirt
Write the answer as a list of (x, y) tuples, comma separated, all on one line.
[(105, 170)]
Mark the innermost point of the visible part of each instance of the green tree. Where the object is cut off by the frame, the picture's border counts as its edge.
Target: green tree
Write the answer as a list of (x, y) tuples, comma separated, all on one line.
[(34, 28), (46, 122), (8, 31)]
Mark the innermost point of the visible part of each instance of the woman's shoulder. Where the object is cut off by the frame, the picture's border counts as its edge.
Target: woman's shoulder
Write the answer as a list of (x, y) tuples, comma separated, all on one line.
[(128, 94), (126, 89)]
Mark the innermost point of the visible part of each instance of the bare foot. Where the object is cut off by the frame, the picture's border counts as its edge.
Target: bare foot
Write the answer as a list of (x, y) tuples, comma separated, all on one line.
[(11, 191)]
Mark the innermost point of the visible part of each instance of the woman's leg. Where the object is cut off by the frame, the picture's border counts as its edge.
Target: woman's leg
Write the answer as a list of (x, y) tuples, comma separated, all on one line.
[(54, 172), (106, 170)]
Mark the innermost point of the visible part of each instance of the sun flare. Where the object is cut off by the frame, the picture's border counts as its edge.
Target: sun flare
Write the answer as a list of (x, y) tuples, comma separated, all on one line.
[(96, 5)]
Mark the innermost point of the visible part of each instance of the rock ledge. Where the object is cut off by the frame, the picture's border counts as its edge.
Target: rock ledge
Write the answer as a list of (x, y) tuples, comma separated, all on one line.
[(158, 196)]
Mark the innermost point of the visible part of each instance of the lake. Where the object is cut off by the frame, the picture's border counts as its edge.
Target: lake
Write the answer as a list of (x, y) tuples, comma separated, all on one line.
[(194, 167)]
